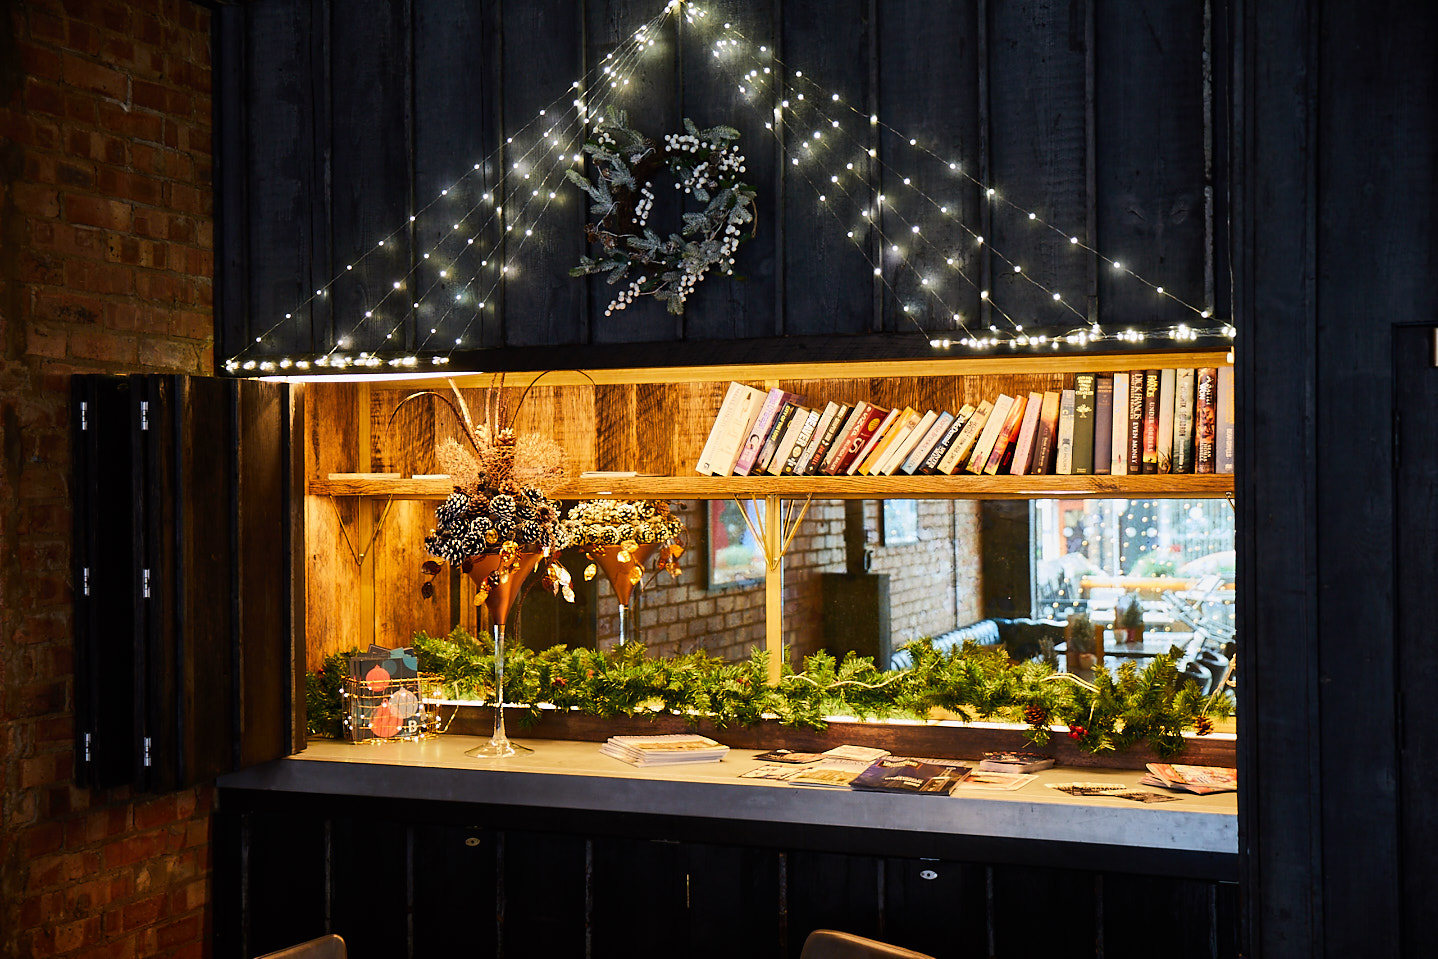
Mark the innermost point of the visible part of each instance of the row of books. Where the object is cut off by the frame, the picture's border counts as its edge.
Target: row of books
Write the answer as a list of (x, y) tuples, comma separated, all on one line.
[(1142, 421)]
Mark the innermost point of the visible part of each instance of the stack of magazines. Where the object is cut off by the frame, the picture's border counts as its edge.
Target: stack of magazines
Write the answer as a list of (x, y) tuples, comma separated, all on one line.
[(664, 750)]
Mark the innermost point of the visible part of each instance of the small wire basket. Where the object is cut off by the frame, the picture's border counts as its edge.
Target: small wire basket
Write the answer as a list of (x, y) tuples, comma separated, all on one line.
[(392, 709)]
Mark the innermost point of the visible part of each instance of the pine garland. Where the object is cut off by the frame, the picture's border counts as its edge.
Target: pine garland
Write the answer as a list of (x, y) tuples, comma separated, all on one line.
[(1113, 713)]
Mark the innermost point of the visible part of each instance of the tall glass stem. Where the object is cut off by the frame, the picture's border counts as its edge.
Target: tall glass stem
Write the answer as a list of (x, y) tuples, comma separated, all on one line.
[(623, 619), (499, 744)]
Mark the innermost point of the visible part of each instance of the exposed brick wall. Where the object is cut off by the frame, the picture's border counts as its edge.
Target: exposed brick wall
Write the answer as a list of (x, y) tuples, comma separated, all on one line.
[(934, 585), (105, 265)]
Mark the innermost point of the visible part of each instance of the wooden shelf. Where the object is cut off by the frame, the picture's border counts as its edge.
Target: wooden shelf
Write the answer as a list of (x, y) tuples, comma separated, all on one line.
[(826, 487)]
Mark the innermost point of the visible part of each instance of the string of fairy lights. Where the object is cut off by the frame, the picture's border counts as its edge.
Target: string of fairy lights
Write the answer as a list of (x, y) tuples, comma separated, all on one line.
[(826, 141)]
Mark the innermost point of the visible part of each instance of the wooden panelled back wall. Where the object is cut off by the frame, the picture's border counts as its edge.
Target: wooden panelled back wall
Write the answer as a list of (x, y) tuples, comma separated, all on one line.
[(338, 120)]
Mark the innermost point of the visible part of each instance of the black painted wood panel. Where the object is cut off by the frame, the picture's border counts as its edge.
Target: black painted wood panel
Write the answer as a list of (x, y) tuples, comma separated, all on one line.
[(452, 873), (336, 126), (936, 906), (831, 891), (543, 894)]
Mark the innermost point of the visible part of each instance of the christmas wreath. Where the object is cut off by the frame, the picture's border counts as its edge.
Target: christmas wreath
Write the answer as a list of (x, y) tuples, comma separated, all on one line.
[(705, 164)]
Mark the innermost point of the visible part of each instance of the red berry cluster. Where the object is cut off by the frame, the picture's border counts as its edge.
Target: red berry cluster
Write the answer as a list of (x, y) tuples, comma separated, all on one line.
[(1077, 732)]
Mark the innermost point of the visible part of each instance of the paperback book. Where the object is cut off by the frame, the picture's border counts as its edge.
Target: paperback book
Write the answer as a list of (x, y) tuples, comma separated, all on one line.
[(1202, 780), (665, 750), (904, 775)]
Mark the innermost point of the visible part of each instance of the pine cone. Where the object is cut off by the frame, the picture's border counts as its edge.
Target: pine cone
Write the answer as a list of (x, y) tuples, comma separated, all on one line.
[(1203, 725), (1035, 715)]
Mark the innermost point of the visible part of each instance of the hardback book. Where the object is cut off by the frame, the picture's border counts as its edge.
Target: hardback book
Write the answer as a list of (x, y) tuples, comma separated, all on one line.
[(901, 449), (1150, 421), (801, 442), (749, 452), (1001, 761), (831, 409), (1167, 385), (903, 775), (1135, 422), (876, 436), (1183, 421), (1046, 440), (928, 442), (959, 449), (1226, 435), (841, 441), (1195, 779), (1008, 436), (1103, 424), (865, 428), (726, 436), (935, 457), (777, 431), (1024, 447), (1205, 421), (979, 458), (832, 431), (899, 428), (1085, 401), (1118, 464), (1064, 460)]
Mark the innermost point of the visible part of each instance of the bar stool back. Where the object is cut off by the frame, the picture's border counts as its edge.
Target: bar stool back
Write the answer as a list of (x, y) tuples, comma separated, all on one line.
[(325, 947), (830, 944)]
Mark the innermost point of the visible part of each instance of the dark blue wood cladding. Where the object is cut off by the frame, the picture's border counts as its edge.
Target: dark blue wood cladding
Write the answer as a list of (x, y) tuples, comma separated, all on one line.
[(340, 121)]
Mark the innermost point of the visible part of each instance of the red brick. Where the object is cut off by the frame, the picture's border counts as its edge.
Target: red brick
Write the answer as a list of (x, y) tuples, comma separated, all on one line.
[(39, 61), (123, 314), (180, 931), (193, 895), (94, 276), (40, 270), (97, 345), (44, 26), (75, 935), (153, 223), (188, 199), (33, 199), (192, 325), (44, 838), (92, 76), (81, 108), (148, 96), (159, 812), (36, 700), (143, 912), (67, 307), (44, 98), (131, 124), (168, 355), (48, 871), (82, 37), (93, 211), (123, 185), (182, 229)]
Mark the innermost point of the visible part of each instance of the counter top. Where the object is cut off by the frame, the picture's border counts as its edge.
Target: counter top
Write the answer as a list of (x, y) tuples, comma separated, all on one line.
[(566, 775)]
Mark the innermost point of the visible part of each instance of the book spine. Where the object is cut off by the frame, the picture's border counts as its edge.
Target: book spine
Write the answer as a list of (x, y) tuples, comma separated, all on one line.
[(1166, 386), (1150, 421), (858, 440), (876, 436), (964, 442), (1118, 463), (776, 433), (935, 459), (1024, 449), (801, 442), (1046, 442), (755, 440), (847, 433), (1103, 425), (1183, 421), (1085, 399), (1064, 462), (990, 435), (1205, 416), (900, 451), (1135, 423), (831, 409), (926, 444), (826, 442), (725, 424), (1008, 436), (896, 429), (1224, 442)]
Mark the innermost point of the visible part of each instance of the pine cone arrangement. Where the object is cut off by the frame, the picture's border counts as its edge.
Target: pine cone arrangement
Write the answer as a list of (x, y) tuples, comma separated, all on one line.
[(1036, 715)]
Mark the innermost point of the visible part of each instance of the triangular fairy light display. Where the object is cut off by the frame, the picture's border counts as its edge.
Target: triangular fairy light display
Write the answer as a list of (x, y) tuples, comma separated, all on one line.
[(805, 116)]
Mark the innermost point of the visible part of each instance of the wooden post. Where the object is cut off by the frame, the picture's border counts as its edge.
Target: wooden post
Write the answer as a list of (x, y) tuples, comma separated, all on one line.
[(774, 586), (364, 517)]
